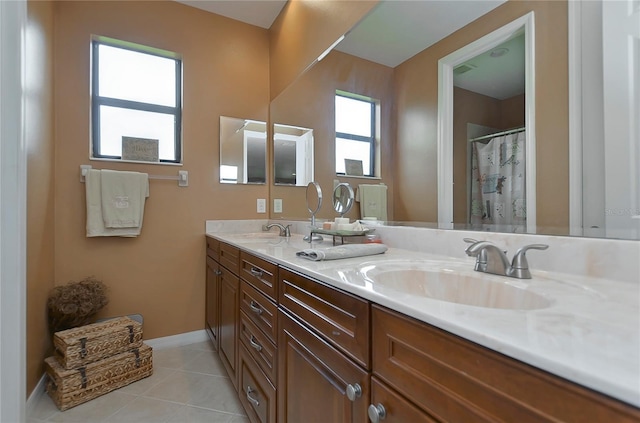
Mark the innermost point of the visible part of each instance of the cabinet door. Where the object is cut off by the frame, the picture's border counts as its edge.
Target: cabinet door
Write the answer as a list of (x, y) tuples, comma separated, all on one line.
[(212, 305), (229, 309), (390, 407), (314, 379)]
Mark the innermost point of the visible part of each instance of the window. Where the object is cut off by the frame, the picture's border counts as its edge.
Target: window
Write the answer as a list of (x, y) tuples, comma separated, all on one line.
[(355, 134), (136, 91)]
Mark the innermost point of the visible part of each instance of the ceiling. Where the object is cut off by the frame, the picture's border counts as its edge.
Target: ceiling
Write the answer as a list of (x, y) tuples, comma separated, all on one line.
[(260, 13), (397, 30)]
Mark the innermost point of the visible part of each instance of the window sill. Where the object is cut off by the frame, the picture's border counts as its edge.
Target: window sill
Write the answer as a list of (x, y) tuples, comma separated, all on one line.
[(99, 159)]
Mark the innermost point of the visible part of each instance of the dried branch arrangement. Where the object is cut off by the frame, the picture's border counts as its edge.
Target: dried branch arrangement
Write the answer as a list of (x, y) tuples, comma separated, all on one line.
[(75, 303)]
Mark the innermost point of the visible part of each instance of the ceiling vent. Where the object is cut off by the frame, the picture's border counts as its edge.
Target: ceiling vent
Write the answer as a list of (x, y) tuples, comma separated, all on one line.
[(464, 68)]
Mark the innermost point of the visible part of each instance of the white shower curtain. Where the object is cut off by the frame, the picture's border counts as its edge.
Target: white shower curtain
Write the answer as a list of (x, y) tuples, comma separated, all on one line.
[(498, 181)]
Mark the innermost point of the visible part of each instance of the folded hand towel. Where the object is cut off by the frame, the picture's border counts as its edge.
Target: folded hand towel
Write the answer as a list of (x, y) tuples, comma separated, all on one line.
[(95, 223), (342, 251), (123, 195)]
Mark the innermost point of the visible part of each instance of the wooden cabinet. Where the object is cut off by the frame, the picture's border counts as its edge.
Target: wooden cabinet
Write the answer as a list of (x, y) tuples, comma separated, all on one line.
[(212, 291), (314, 378), (299, 350), (212, 307), (257, 394), (229, 314), (451, 379)]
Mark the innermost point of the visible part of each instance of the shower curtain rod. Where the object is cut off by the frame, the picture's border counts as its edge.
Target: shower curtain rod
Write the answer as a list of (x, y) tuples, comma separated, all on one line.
[(498, 134)]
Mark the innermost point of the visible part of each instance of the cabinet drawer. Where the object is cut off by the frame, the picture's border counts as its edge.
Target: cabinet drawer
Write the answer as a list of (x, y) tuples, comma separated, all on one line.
[(314, 378), (396, 407), (257, 395), (260, 273), (259, 309), (230, 257), (456, 380), (259, 346), (213, 248), (341, 318)]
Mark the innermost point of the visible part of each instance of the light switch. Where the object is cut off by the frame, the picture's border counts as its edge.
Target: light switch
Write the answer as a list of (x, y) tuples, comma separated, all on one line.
[(277, 205), (262, 205)]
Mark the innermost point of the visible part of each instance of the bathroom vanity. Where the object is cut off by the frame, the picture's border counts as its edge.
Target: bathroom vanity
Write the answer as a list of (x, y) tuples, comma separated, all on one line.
[(335, 341)]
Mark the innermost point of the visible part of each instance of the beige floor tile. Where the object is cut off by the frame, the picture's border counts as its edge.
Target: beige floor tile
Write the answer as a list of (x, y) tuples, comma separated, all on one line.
[(181, 386), (43, 409), (204, 346), (174, 358), (239, 419), (143, 385), (95, 410), (220, 396), (209, 363), (200, 415), (146, 410)]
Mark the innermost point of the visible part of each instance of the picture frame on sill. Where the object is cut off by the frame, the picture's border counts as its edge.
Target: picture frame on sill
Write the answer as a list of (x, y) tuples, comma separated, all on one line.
[(140, 149)]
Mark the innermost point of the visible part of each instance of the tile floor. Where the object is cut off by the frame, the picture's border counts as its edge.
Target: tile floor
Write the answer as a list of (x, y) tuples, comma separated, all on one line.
[(189, 384)]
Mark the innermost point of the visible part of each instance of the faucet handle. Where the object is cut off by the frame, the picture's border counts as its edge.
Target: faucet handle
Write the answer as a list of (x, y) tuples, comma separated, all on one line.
[(520, 264), (287, 230), (470, 240)]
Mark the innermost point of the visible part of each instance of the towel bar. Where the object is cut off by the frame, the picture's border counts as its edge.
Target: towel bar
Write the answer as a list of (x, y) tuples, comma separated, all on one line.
[(182, 177)]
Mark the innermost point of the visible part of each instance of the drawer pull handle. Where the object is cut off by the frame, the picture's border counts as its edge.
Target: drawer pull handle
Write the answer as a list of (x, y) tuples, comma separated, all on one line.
[(218, 272), (251, 399), (255, 307), (377, 413), (354, 391), (256, 272), (255, 345)]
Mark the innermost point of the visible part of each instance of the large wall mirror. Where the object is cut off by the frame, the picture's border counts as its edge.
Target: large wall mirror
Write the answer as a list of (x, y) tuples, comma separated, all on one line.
[(243, 151), (390, 46)]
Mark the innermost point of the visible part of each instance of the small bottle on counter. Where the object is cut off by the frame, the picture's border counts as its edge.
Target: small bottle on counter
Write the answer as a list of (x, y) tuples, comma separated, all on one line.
[(372, 239)]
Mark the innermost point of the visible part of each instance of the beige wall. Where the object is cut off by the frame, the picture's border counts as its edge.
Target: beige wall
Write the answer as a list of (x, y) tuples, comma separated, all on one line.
[(40, 188), (417, 96), (306, 28), (160, 274), (309, 102)]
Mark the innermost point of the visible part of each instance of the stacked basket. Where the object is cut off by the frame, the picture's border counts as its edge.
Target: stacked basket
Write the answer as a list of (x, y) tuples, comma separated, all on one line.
[(92, 360)]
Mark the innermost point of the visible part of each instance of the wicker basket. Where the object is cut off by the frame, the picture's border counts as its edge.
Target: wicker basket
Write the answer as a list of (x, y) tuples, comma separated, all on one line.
[(69, 388), (86, 344)]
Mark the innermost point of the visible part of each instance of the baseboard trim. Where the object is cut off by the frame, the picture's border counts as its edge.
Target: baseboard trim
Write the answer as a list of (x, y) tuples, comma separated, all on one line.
[(37, 392), (156, 343), (178, 340)]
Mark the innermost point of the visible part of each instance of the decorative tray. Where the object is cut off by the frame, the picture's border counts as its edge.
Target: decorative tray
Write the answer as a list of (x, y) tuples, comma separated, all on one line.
[(342, 233)]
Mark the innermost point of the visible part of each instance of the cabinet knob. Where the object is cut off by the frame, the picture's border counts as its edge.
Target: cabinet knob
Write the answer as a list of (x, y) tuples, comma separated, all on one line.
[(217, 272), (251, 399), (354, 391), (377, 413)]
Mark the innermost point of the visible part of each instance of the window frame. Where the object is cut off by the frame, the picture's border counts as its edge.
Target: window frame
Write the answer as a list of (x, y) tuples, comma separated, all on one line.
[(97, 101), (370, 140)]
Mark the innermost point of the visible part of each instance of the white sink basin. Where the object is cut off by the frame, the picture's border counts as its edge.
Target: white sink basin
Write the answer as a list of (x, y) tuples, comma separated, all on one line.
[(461, 287)]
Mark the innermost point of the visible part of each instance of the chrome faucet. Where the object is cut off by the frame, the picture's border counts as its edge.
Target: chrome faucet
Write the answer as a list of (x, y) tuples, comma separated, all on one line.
[(284, 230), (491, 259)]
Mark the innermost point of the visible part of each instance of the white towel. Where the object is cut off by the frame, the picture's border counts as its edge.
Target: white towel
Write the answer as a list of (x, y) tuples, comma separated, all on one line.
[(373, 201), (342, 251), (95, 223), (123, 195)]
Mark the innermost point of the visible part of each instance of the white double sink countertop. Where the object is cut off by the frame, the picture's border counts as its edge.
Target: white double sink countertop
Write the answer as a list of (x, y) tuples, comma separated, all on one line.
[(587, 329)]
